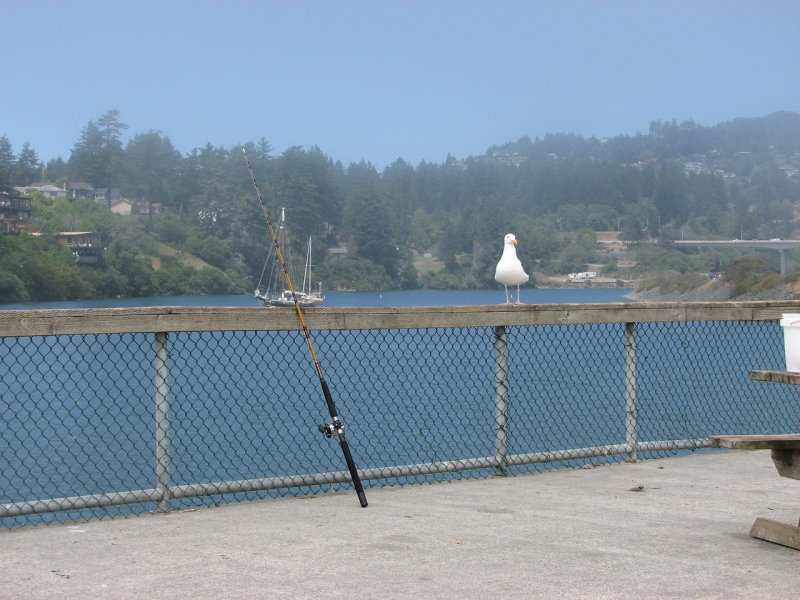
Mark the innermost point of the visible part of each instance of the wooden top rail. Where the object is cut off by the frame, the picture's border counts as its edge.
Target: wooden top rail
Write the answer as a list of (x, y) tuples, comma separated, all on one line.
[(18, 323)]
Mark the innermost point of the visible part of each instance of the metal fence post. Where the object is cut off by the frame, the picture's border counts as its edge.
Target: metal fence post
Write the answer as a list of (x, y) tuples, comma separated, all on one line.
[(500, 388), (630, 389), (162, 422)]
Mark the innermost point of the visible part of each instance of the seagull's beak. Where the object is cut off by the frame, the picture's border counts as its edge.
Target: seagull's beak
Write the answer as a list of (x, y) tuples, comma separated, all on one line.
[(515, 241)]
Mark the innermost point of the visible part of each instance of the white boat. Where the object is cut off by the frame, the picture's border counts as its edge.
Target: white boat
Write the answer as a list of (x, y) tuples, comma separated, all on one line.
[(586, 275), (278, 294)]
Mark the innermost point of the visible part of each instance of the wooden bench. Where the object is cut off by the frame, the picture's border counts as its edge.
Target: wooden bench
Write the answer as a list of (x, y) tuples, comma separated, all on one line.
[(786, 457), (785, 450)]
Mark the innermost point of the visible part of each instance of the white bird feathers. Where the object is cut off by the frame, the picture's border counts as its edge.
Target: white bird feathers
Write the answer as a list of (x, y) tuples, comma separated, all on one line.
[(509, 270)]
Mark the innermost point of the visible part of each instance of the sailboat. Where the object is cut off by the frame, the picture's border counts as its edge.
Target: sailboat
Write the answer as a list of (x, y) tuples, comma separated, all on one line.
[(277, 293)]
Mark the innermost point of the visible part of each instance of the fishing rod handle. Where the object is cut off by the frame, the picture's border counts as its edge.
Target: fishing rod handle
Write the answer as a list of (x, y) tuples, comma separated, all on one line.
[(362, 498), (348, 457)]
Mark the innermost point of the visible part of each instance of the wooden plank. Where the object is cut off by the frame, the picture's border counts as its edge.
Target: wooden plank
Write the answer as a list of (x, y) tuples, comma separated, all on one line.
[(789, 441), (788, 377), (778, 533), (15, 323)]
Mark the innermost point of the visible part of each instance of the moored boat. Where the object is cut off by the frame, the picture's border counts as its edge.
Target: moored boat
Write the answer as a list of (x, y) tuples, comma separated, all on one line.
[(278, 294)]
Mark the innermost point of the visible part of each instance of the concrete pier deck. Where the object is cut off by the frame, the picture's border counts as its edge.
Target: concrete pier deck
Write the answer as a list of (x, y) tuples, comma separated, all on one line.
[(667, 528)]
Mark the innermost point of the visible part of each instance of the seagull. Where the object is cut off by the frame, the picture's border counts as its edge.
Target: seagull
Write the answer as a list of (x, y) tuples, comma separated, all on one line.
[(509, 269)]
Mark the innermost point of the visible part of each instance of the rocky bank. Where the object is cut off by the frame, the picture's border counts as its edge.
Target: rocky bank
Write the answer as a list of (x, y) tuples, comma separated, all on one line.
[(716, 292)]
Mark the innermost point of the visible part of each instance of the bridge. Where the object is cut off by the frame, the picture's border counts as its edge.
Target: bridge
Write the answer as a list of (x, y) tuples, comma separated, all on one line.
[(774, 244)]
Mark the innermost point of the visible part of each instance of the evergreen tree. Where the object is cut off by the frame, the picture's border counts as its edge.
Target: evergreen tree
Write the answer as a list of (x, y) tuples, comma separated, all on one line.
[(110, 129), (152, 168), (56, 170), (398, 181), (97, 157), (86, 161), (28, 167), (6, 165), (369, 221)]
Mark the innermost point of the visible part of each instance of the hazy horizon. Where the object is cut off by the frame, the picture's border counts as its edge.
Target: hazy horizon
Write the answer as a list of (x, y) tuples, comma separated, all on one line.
[(376, 81)]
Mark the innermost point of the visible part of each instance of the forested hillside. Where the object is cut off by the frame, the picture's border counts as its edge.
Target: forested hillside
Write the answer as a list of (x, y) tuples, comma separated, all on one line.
[(429, 225)]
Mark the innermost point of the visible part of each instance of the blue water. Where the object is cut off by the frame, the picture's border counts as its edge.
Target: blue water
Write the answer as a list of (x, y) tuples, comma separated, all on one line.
[(339, 299)]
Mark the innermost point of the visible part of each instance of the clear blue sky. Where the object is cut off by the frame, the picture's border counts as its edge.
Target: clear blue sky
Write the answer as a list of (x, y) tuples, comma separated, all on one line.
[(379, 79)]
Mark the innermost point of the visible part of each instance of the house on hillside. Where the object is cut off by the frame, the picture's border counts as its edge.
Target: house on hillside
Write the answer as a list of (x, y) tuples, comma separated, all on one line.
[(85, 245), (48, 189), (15, 213), (146, 208), (122, 206), (107, 195), (81, 189), (340, 252), (508, 157)]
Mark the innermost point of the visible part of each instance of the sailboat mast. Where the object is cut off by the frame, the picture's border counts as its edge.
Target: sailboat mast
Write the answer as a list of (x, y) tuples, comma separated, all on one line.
[(282, 228), (307, 272)]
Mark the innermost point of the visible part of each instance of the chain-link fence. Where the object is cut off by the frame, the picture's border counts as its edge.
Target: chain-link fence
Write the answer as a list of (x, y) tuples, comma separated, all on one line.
[(215, 409)]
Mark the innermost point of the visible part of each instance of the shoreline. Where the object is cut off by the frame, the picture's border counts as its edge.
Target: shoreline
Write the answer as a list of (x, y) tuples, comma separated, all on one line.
[(716, 293)]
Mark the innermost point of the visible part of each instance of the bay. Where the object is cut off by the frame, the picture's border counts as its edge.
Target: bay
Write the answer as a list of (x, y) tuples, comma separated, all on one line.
[(344, 299)]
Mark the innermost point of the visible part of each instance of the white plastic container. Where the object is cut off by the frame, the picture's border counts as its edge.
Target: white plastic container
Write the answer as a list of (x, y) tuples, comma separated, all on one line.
[(791, 340)]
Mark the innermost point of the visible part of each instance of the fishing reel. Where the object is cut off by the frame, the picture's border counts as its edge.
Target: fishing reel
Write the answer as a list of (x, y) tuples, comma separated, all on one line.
[(337, 427)]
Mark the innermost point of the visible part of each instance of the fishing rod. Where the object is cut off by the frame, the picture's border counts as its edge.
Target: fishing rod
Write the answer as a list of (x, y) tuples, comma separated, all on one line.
[(336, 426)]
